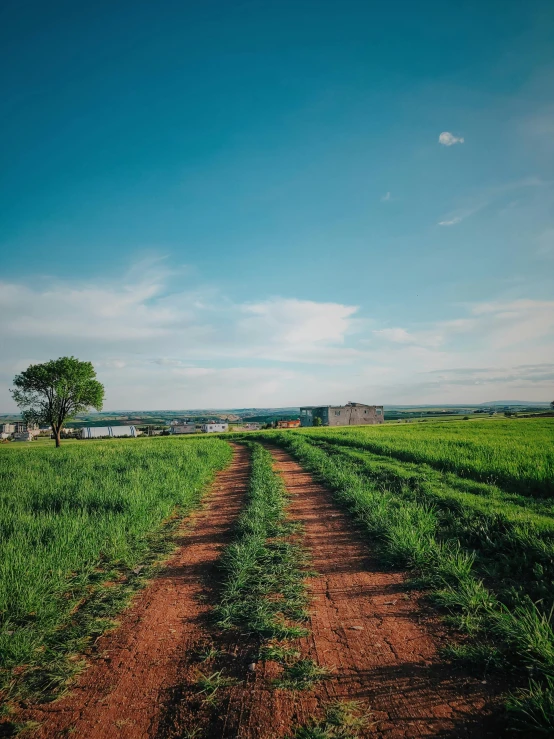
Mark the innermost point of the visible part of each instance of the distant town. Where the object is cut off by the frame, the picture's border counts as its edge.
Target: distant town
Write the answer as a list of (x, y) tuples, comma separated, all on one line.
[(169, 422)]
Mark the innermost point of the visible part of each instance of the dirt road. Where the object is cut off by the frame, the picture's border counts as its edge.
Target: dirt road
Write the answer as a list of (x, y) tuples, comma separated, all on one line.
[(376, 637), (379, 641)]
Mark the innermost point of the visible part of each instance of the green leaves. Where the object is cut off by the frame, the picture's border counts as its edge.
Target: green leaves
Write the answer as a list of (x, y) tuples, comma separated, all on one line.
[(55, 391)]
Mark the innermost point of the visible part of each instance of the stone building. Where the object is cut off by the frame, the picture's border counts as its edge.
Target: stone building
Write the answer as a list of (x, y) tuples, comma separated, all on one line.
[(351, 414)]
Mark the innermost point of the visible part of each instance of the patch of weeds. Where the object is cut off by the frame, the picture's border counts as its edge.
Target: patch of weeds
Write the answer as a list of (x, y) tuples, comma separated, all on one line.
[(192, 733), (343, 720), (278, 653), (477, 657), (301, 675), (208, 652), (209, 685), (533, 708)]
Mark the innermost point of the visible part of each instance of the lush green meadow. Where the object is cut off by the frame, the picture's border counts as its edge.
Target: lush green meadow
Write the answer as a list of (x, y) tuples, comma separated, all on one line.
[(79, 527), (426, 497), (517, 454)]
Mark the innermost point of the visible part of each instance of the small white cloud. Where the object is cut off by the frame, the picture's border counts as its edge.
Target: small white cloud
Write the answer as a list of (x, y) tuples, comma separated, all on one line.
[(385, 197), (448, 139), (451, 222)]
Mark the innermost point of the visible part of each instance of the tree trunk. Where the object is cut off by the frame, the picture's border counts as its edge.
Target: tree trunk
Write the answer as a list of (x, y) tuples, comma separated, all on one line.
[(57, 436)]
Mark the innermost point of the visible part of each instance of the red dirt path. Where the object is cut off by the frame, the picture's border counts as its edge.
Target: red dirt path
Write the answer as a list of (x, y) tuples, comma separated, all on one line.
[(377, 638), (124, 691), (380, 642)]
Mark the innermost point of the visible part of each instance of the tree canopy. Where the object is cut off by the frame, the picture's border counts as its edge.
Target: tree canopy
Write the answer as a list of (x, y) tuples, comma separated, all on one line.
[(55, 391)]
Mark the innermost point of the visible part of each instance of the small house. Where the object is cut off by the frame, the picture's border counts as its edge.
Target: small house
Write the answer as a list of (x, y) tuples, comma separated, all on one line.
[(288, 424), (183, 428), (23, 436), (214, 428)]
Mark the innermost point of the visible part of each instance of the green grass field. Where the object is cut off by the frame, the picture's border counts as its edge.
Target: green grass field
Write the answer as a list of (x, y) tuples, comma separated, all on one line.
[(517, 454), (75, 518), (466, 507)]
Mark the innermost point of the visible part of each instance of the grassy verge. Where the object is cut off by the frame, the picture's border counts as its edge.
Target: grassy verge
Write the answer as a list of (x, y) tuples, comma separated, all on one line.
[(513, 549), (81, 530), (408, 532)]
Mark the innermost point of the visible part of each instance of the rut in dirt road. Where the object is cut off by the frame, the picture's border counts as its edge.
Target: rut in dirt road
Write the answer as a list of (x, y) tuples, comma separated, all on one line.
[(373, 634), (126, 690)]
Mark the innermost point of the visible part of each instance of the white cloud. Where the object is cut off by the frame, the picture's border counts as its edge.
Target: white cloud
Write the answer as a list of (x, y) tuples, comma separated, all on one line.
[(451, 222), (386, 197), (196, 348), (142, 317), (297, 330), (448, 139)]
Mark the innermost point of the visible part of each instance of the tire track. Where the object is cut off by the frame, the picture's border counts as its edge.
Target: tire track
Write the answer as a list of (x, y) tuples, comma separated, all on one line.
[(371, 631)]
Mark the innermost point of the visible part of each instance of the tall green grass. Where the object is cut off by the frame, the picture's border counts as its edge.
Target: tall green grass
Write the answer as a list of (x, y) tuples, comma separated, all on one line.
[(513, 548), (517, 454), (76, 517), (264, 566)]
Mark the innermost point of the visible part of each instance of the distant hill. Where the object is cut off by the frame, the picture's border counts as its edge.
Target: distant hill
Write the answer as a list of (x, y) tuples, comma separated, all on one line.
[(526, 403)]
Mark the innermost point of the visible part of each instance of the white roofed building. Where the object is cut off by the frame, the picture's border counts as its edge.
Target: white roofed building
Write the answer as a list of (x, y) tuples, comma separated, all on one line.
[(211, 428), (101, 432)]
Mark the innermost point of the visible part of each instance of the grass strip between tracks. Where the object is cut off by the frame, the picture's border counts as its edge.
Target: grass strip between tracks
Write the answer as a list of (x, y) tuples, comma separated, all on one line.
[(264, 592), (407, 530)]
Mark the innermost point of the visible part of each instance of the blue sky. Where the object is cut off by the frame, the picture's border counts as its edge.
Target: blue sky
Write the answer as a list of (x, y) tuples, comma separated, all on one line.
[(251, 203)]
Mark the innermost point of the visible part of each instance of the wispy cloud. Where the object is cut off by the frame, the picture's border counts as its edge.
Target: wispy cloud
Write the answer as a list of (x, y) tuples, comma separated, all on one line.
[(448, 139), (137, 314), (386, 197), (488, 196)]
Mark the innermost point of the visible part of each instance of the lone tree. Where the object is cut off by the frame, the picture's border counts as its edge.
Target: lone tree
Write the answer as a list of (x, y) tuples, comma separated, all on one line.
[(55, 391)]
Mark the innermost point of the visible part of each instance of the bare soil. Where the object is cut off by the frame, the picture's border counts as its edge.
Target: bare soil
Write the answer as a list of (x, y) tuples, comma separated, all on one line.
[(126, 689)]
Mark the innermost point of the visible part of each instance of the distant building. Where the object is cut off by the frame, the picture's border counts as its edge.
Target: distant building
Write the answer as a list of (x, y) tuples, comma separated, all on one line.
[(251, 426), (288, 424), (23, 436), (351, 414), (211, 428), (7, 428), (99, 432), (20, 427), (183, 428)]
